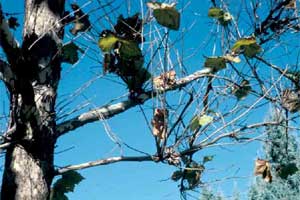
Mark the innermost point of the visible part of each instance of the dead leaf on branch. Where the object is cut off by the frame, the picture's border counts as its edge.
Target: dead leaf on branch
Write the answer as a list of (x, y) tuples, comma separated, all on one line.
[(81, 20), (290, 100), (165, 80), (263, 167), (159, 123)]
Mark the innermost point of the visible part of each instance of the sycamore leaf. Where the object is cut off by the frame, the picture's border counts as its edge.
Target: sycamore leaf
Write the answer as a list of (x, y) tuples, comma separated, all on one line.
[(13, 23), (81, 20), (205, 119), (194, 124), (177, 175), (207, 158), (129, 50), (215, 12), (70, 53), (165, 80), (248, 46), (215, 63), (65, 184), (159, 123), (287, 170), (242, 90), (107, 43), (168, 17), (290, 100), (262, 167)]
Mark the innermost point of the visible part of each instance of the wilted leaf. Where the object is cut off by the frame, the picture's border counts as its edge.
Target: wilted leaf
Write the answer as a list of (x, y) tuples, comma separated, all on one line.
[(242, 90), (290, 100), (287, 170), (215, 63), (193, 174), (207, 159), (291, 5), (13, 23), (159, 123), (248, 46), (65, 184), (205, 119), (262, 167), (165, 14), (81, 20), (177, 175), (165, 80), (194, 124), (70, 53), (232, 58)]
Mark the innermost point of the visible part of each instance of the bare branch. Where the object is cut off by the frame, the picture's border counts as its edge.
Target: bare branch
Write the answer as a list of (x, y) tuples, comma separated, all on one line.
[(104, 162), (109, 111)]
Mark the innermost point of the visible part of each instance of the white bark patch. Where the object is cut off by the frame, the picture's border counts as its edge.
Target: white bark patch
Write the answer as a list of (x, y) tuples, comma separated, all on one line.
[(29, 176)]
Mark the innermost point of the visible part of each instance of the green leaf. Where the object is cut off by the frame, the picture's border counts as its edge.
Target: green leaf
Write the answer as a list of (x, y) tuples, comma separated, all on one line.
[(243, 42), (287, 170), (252, 50), (168, 17), (207, 158), (194, 124), (129, 50), (215, 12), (108, 42), (205, 119), (65, 184), (70, 53), (177, 175), (243, 90), (216, 63)]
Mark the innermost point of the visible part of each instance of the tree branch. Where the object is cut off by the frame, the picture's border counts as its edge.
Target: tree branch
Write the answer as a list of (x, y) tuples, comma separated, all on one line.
[(6, 74), (109, 111), (7, 40), (104, 162)]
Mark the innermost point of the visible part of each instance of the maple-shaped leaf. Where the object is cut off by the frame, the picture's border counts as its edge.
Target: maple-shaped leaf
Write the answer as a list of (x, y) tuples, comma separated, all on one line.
[(165, 14), (13, 23), (81, 22)]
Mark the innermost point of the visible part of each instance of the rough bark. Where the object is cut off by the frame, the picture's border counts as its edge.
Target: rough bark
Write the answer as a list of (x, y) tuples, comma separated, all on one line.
[(29, 161)]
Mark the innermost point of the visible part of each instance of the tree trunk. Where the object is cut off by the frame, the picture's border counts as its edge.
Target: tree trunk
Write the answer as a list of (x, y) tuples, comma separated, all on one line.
[(29, 168)]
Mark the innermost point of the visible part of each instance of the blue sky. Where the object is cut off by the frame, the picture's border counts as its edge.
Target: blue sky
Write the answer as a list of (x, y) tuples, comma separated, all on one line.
[(146, 180)]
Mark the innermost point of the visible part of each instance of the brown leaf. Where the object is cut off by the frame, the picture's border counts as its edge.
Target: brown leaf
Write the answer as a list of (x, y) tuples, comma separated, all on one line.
[(290, 100), (291, 5), (262, 167), (159, 123), (165, 80)]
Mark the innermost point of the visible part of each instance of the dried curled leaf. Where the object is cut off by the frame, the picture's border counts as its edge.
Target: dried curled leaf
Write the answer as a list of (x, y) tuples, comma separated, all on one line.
[(159, 123), (247, 46), (215, 63), (291, 5), (193, 174), (165, 80), (232, 58), (81, 20), (242, 90), (165, 14), (177, 175), (290, 100), (262, 167)]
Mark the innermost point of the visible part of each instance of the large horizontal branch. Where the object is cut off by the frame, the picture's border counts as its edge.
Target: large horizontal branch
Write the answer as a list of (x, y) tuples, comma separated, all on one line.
[(7, 40), (104, 162), (109, 111)]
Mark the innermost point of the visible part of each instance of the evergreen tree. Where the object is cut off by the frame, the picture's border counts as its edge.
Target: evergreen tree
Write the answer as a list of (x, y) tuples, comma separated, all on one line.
[(282, 151)]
